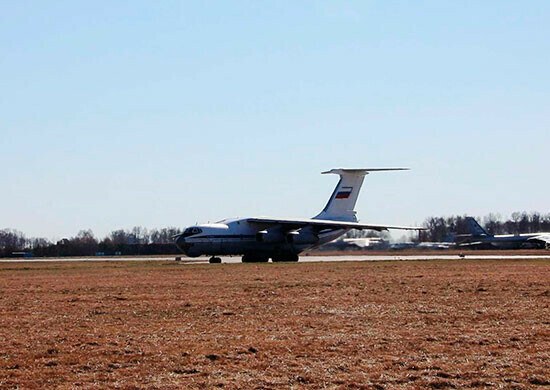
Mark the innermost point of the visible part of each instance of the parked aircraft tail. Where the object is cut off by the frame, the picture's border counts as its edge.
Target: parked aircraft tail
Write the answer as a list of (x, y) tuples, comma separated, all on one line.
[(341, 204), (474, 228)]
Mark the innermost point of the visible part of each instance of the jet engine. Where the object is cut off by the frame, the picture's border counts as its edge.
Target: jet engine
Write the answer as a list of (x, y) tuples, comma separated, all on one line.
[(269, 236), (302, 237)]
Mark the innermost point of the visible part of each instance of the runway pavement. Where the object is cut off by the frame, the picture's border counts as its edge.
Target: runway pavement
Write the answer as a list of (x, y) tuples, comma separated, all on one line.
[(226, 259)]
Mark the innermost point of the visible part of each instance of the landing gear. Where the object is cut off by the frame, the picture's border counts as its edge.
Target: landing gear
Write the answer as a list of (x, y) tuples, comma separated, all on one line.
[(215, 260), (285, 257), (253, 258)]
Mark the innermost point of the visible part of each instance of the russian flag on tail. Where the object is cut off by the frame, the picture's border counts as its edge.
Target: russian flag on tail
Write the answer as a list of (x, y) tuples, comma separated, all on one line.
[(344, 193)]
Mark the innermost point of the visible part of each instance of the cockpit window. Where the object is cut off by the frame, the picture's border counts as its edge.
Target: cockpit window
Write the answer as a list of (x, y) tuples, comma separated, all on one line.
[(191, 231)]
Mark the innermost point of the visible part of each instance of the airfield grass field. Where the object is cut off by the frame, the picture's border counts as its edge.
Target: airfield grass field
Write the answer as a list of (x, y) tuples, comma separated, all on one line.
[(334, 325)]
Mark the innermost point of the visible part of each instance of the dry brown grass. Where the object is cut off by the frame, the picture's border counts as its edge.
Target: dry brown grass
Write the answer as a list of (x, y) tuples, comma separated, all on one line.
[(356, 325)]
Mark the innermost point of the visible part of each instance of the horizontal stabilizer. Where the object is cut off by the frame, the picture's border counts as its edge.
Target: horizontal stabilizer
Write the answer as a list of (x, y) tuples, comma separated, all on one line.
[(364, 171)]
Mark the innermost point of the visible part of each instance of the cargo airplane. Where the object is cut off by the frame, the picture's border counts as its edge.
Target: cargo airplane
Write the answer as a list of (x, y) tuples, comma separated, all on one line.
[(258, 239), (478, 237)]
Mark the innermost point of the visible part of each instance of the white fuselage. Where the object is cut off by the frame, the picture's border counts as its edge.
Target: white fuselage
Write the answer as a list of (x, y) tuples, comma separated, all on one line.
[(238, 237)]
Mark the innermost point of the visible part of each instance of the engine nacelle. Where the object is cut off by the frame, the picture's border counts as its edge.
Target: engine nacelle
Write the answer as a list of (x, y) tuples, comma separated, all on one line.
[(302, 238), (269, 236)]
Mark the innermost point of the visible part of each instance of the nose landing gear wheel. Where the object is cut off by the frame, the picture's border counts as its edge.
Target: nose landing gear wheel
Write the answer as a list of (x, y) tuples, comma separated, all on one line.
[(215, 260)]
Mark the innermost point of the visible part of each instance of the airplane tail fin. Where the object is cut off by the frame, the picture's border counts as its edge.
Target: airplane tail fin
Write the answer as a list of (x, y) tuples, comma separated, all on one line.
[(342, 201), (475, 228)]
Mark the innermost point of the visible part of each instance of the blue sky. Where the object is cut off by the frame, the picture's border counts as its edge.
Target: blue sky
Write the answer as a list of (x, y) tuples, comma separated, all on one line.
[(115, 114)]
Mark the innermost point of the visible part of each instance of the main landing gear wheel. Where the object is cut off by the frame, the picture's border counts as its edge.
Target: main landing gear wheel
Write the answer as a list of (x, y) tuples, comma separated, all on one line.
[(285, 257), (254, 259), (215, 260)]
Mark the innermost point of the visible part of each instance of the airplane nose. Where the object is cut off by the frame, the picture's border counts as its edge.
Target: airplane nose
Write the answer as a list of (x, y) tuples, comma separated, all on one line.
[(183, 244), (180, 241)]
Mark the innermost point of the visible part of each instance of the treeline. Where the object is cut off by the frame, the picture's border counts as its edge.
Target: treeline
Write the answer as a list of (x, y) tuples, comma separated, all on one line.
[(140, 241), (136, 241), (444, 229)]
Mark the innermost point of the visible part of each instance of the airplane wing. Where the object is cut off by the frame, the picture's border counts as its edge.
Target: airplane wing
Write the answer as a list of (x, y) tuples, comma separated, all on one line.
[(325, 224)]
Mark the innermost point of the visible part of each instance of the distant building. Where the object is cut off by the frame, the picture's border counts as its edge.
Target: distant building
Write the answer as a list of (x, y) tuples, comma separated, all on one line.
[(21, 254), (423, 245), (109, 253)]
